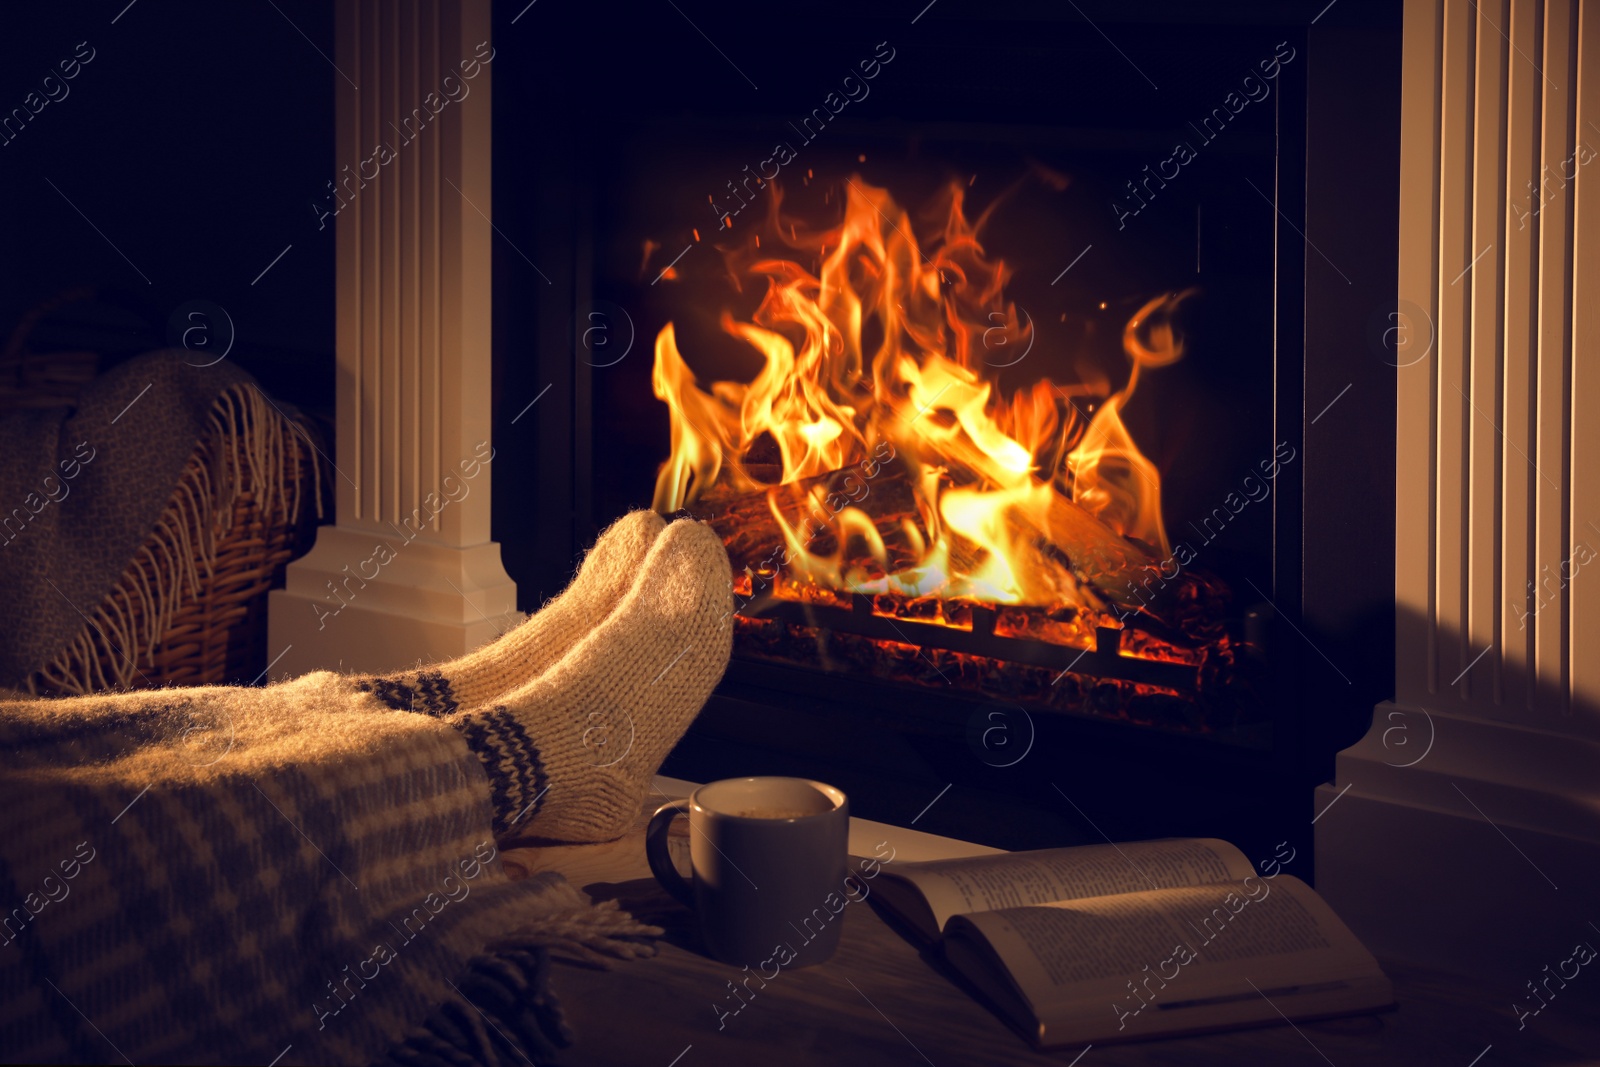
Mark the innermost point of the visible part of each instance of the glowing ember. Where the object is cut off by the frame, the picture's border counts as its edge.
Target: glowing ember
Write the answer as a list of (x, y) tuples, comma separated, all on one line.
[(884, 349)]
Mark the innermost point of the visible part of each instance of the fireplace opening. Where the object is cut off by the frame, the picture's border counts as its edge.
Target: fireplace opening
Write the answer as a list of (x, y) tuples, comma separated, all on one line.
[(894, 507), (988, 350)]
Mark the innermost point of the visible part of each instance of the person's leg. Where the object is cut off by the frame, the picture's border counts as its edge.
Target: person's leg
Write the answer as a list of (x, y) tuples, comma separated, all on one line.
[(577, 707), (277, 834), (570, 753), (198, 719), (526, 651)]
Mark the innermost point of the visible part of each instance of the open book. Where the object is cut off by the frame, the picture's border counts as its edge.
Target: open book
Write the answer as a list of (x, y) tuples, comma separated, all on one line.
[(1119, 942)]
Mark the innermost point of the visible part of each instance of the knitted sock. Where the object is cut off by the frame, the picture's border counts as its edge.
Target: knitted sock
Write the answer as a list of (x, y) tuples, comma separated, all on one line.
[(570, 754), (520, 654)]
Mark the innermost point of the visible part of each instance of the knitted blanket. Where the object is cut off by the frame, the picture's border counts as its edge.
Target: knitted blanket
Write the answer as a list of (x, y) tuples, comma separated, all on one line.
[(274, 876), (81, 490)]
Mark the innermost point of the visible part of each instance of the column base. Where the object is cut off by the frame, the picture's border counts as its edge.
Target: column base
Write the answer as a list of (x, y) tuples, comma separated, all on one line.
[(368, 601), (1463, 843)]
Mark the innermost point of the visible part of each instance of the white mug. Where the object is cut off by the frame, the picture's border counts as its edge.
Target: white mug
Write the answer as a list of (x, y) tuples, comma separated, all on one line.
[(765, 854)]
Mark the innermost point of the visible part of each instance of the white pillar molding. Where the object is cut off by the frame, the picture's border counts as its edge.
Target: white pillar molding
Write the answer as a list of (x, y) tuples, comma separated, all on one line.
[(1465, 827), (407, 572), (1462, 843)]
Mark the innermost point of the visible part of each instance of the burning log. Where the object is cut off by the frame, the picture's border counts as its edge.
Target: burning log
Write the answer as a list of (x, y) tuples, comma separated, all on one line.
[(752, 534), (1090, 565)]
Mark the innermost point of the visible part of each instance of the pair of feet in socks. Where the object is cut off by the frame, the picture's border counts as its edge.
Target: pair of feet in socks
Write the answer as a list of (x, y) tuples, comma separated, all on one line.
[(573, 711)]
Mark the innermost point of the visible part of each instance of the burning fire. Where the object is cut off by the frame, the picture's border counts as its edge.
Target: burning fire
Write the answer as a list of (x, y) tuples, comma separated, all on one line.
[(885, 346)]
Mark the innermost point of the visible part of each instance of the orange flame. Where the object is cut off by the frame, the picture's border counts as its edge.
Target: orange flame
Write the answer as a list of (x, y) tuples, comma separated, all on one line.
[(885, 345)]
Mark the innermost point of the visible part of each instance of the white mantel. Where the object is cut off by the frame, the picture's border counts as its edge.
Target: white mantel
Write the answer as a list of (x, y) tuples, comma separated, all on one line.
[(1465, 827), (408, 571)]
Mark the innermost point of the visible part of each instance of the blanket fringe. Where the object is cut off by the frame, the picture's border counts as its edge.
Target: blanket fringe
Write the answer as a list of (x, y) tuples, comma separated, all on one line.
[(593, 932), (503, 1013), (248, 448)]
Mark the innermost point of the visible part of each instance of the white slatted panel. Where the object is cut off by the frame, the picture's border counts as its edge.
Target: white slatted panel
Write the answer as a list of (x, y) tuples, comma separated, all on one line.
[(1518, 347), (1415, 578), (413, 258), (1485, 284), (1498, 443), (386, 278), (1585, 505), (1551, 627), (1454, 317)]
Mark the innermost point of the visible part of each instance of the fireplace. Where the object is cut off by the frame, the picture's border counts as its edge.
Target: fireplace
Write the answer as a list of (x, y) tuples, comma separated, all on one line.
[(893, 510), (1032, 365)]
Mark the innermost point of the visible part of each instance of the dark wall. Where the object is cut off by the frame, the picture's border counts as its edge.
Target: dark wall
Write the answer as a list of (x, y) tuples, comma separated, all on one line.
[(1351, 264), (175, 166)]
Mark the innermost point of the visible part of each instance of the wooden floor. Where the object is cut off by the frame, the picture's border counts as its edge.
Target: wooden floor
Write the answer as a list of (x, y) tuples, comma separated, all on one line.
[(880, 1001)]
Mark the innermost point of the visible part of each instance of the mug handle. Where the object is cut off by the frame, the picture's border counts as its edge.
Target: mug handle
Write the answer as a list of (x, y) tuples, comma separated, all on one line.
[(655, 850)]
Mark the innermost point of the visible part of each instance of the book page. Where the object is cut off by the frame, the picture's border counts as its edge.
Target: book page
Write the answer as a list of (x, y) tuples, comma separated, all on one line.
[(1020, 879), (1121, 936), (1175, 946), (1173, 961)]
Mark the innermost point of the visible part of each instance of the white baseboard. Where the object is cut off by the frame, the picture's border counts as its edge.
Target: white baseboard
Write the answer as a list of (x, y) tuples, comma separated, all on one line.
[(367, 601), (1465, 844)]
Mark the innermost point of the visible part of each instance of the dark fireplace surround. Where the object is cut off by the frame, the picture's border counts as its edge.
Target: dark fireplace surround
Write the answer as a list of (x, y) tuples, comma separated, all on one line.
[(1283, 213)]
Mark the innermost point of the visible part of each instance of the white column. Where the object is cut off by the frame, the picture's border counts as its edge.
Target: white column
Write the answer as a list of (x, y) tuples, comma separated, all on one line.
[(407, 572), (1466, 825)]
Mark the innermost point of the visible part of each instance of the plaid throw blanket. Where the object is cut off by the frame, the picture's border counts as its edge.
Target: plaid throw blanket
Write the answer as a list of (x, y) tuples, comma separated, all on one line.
[(285, 875), (83, 488)]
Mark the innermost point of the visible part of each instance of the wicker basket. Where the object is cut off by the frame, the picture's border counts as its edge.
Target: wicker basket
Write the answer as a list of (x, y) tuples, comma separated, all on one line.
[(214, 625), (215, 632)]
